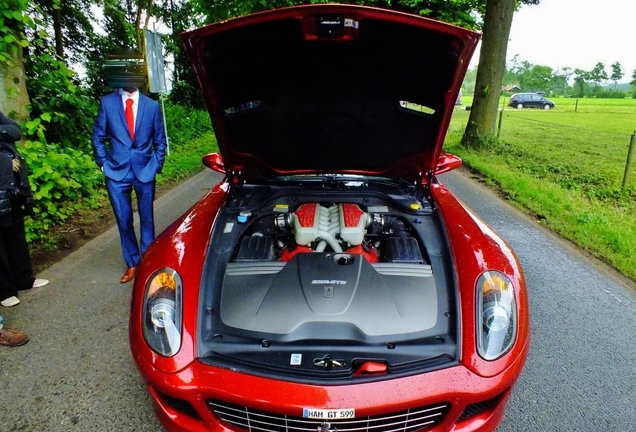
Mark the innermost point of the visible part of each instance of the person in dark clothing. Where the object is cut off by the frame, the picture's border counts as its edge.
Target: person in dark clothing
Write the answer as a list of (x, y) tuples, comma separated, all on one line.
[(16, 272)]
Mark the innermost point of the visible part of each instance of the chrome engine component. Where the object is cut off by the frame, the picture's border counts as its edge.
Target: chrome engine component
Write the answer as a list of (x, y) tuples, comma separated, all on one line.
[(329, 225)]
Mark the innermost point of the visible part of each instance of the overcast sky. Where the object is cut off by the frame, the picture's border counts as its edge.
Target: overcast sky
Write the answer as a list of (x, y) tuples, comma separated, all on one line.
[(576, 33)]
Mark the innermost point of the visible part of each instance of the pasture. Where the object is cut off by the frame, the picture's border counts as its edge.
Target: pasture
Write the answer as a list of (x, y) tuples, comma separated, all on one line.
[(566, 166)]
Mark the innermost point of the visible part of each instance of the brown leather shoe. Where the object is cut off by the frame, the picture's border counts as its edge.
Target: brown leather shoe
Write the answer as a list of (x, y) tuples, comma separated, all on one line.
[(12, 338), (129, 275)]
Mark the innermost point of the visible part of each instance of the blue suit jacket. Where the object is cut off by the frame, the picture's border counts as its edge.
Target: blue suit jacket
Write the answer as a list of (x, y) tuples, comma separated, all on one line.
[(145, 155)]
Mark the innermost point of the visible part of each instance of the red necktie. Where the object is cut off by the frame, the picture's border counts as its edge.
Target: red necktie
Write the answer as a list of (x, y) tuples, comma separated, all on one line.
[(130, 118)]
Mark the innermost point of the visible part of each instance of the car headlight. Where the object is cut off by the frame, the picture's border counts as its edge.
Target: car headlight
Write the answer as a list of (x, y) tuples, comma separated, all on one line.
[(162, 312), (496, 315)]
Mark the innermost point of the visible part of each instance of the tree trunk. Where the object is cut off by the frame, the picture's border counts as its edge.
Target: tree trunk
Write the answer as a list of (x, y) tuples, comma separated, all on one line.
[(492, 64), (13, 93), (57, 29)]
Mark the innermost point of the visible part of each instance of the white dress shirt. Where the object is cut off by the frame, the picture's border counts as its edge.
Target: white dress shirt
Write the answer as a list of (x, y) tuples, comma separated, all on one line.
[(134, 96)]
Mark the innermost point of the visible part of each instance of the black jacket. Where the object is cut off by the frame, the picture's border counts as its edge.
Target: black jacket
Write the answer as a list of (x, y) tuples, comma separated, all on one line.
[(12, 185)]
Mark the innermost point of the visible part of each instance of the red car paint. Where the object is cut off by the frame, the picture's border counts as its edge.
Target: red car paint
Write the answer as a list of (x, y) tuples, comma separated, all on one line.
[(180, 385)]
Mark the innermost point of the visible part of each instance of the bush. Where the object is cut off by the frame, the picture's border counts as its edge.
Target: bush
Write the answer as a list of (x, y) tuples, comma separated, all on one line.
[(63, 181), (610, 94), (184, 94), (185, 124), (68, 108)]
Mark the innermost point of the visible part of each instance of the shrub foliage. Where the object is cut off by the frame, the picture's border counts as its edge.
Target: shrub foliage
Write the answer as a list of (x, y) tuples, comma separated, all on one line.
[(65, 179)]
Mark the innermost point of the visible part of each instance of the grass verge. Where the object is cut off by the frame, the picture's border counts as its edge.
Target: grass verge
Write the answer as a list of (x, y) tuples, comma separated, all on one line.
[(566, 169)]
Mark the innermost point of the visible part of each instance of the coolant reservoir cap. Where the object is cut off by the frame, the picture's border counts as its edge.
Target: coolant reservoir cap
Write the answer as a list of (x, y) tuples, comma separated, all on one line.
[(243, 216)]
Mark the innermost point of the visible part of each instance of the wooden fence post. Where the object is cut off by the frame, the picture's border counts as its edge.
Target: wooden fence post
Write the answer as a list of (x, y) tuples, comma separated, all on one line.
[(630, 155), (500, 119)]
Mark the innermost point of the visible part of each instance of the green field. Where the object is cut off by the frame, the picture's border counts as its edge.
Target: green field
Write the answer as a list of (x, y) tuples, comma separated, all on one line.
[(566, 167)]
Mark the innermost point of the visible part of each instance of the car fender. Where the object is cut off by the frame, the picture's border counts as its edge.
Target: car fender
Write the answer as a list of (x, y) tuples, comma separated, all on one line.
[(477, 248), (182, 247)]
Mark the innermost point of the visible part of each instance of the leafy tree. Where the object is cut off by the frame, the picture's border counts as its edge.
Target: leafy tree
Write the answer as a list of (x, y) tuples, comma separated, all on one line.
[(540, 78), (633, 83), (68, 109), (117, 22), (14, 97), (532, 77), (522, 72), (598, 75), (492, 63), (617, 73), (122, 22), (180, 16), (561, 79), (219, 10), (67, 25), (56, 96), (514, 68), (581, 78), (64, 177)]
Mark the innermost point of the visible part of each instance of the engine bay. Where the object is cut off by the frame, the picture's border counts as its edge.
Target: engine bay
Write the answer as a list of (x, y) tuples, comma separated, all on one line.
[(305, 271), (342, 228)]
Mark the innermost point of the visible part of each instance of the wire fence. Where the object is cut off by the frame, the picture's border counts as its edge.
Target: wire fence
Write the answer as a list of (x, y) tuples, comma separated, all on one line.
[(575, 128), (595, 148)]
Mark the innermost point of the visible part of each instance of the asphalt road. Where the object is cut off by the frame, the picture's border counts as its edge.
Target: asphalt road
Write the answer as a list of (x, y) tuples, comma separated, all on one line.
[(581, 370), (77, 374)]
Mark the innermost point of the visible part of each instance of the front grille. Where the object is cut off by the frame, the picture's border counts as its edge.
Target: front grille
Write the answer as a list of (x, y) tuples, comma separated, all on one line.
[(252, 420)]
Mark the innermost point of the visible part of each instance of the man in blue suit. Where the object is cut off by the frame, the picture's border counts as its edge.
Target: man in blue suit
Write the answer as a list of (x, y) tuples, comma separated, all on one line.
[(129, 144)]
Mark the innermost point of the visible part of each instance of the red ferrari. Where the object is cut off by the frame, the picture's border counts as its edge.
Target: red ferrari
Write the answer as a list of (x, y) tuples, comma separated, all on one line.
[(330, 282)]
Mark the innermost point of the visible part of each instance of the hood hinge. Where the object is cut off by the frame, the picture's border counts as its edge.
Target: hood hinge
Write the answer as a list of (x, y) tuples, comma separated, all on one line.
[(235, 178), (424, 182)]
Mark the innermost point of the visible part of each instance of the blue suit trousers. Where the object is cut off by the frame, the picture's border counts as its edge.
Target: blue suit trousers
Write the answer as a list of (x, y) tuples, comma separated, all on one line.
[(120, 194)]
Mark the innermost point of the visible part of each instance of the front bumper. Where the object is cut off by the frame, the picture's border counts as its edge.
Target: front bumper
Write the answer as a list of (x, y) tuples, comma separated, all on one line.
[(183, 400)]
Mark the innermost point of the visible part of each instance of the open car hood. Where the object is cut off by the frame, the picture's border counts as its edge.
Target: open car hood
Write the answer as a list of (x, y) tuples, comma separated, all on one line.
[(330, 89)]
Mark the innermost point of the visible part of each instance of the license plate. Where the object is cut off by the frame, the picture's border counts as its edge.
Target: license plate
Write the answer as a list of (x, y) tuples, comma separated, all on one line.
[(329, 414)]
